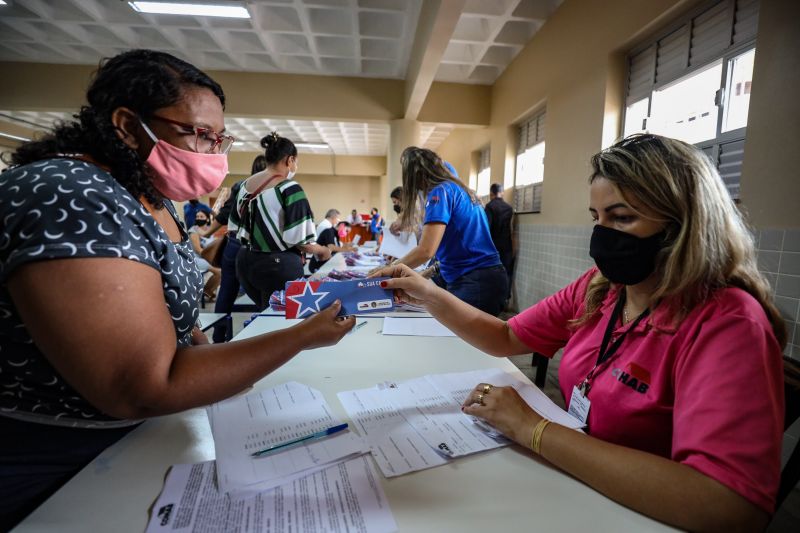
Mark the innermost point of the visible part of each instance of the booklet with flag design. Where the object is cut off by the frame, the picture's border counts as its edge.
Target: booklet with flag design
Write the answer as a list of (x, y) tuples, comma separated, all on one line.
[(304, 298)]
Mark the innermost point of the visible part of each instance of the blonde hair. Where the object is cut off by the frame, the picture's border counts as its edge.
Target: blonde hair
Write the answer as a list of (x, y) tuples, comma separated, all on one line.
[(423, 170), (708, 244)]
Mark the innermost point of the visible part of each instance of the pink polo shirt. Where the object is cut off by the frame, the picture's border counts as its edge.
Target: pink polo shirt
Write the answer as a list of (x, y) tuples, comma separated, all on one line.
[(707, 393)]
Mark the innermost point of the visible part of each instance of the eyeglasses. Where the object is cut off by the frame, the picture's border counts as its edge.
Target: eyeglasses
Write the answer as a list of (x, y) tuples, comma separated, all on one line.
[(206, 140)]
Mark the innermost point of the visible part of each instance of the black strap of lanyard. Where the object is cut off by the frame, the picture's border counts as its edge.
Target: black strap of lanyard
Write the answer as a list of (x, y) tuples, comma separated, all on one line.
[(607, 351)]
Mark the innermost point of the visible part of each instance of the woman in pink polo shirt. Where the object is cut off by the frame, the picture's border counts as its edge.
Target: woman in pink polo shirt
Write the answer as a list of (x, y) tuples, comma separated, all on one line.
[(672, 347)]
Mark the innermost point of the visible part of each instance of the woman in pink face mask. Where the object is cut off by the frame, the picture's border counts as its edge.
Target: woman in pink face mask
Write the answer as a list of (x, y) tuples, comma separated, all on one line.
[(98, 285)]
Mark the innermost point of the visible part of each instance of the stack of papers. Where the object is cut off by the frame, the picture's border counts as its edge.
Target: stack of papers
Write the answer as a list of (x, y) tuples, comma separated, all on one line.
[(247, 424), (342, 497), (418, 424)]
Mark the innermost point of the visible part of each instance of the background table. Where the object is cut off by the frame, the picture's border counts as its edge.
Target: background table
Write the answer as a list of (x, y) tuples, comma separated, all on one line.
[(499, 490)]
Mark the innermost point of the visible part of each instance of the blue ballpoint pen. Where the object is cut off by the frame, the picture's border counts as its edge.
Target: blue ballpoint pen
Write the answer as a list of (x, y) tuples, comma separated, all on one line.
[(314, 436)]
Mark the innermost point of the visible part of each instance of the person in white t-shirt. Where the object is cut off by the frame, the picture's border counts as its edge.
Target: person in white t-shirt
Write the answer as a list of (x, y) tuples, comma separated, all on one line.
[(330, 221)]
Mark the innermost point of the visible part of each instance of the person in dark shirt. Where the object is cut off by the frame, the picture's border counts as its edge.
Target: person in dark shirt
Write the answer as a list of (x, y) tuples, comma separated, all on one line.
[(501, 225), (330, 238)]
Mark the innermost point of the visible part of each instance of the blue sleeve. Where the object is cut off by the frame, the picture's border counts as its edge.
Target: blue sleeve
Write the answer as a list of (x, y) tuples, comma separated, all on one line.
[(438, 207)]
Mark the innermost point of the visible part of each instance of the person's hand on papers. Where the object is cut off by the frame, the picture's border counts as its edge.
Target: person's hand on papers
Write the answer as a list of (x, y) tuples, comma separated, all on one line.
[(325, 328), (408, 286), (504, 409)]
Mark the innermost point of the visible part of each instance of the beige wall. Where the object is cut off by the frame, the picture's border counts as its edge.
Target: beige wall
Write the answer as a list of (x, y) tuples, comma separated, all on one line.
[(458, 147), (771, 171), (262, 94), (240, 163), (356, 184), (344, 193), (457, 103)]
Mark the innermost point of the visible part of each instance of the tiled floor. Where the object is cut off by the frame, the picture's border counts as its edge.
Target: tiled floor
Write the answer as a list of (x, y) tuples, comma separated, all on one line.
[(786, 520)]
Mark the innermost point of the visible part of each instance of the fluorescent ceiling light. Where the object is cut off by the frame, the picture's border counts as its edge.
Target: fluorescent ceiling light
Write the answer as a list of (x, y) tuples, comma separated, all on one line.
[(2, 2), (201, 10), (8, 135), (311, 145)]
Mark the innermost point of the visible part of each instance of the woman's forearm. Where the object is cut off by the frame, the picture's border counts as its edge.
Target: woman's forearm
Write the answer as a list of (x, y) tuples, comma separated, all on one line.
[(204, 374), (312, 248), (482, 330), (655, 486), (414, 258)]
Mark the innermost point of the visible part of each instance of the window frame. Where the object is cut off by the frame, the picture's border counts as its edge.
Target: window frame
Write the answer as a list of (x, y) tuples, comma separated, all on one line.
[(732, 50), (539, 119)]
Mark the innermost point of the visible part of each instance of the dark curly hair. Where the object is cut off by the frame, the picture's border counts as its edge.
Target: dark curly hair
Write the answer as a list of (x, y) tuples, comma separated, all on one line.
[(144, 81), (277, 147)]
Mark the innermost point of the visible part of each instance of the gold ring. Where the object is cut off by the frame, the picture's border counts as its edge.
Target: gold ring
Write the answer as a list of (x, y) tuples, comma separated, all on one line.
[(486, 389), (480, 399)]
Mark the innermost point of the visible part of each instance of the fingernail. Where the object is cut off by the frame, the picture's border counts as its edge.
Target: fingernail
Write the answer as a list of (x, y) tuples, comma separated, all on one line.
[(383, 284)]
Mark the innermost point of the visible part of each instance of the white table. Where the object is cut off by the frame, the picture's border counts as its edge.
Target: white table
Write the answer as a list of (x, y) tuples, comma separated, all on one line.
[(499, 490), (208, 320)]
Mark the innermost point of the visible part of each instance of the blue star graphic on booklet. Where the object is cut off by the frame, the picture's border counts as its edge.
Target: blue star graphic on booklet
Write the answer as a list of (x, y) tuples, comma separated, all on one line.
[(304, 298), (308, 301)]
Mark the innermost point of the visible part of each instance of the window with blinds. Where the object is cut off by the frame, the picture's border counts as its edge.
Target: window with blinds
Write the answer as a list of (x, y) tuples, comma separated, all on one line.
[(530, 165), (692, 82)]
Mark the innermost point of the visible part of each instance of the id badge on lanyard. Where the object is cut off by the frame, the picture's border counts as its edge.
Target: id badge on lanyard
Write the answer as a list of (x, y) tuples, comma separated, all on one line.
[(579, 402)]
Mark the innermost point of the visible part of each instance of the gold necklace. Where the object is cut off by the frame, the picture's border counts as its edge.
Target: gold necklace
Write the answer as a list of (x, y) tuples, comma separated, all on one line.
[(625, 314)]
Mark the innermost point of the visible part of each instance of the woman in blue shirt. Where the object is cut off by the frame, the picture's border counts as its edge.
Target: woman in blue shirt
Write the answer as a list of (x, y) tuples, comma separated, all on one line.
[(376, 224), (455, 230)]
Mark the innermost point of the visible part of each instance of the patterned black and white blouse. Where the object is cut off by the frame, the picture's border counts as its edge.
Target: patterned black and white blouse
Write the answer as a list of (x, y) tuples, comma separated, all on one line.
[(62, 208)]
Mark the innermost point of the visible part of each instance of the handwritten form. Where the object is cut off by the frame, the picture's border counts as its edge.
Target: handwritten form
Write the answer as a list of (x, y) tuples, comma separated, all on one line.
[(418, 424), (246, 424), (342, 497)]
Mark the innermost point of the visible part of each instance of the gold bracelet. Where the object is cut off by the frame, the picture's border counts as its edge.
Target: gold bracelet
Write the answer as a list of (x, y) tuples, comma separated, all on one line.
[(536, 438)]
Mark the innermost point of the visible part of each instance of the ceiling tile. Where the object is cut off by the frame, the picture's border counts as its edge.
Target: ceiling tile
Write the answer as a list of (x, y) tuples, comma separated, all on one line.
[(278, 18), (380, 24), (335, 46)]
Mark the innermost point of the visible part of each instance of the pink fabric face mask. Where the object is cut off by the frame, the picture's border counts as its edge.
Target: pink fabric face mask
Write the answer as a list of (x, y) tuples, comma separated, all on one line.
[(181, 175)]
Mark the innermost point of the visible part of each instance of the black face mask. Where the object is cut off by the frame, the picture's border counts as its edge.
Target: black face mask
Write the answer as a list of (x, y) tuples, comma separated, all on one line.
[(201, 222), (622, 257), (397, 208)]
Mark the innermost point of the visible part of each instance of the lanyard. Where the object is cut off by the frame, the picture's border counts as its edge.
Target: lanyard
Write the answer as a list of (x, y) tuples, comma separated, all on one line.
[(607, 351)]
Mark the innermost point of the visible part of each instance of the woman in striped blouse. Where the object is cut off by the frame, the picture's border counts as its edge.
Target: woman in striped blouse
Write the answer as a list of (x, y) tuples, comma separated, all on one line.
[(275, 224)]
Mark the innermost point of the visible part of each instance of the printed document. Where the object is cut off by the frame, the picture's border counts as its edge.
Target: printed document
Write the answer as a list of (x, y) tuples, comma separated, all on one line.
[(345, 496), (418, 423), (396, 446), (246, 424)]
